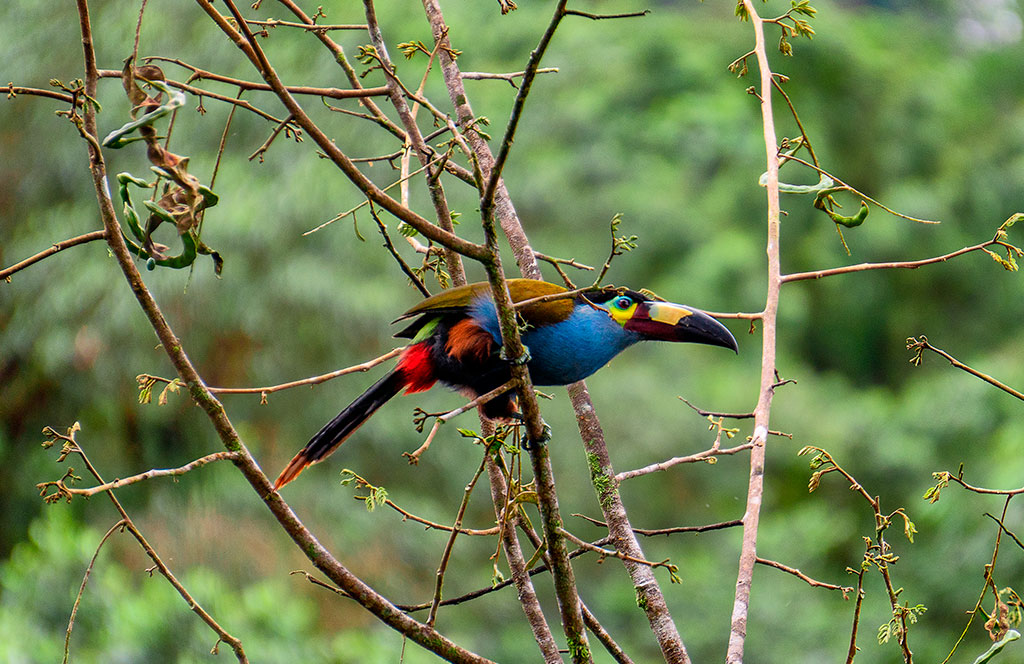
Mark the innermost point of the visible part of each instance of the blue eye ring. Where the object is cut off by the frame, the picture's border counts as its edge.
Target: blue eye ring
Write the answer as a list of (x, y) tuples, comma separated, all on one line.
[(623, 302)]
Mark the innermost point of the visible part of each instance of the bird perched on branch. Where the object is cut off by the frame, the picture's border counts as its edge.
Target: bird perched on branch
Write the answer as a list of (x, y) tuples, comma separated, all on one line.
[(456, 340)]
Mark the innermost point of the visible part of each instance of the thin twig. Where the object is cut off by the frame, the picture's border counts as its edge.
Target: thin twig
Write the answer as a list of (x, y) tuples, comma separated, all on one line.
[(672, 569), (6, 273), (450, 544), (989, 571), (599, 17), (273, 23), (149, 474), (81, 590), (648, 532), (330, 93), (13, 91), (571, 262), (919, 344), (369, 200), (270, 389), (541, 568), (414, 457), (846, 590), (1002, 526), (977, 489), (906, 265), (409, 516), (413, 277), (711, 413), (852, 651), (511, 77), (675, 461), (606, 640)]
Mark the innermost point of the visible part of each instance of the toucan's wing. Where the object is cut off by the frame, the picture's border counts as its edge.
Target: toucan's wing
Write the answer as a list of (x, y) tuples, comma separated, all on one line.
[(455, 300)]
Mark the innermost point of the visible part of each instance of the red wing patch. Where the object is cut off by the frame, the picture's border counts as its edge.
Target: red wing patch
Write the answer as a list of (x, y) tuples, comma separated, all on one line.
[(468, 342), (417, 368)]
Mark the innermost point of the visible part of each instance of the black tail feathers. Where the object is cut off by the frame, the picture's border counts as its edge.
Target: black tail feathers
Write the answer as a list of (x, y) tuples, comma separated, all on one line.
[(334, 433)]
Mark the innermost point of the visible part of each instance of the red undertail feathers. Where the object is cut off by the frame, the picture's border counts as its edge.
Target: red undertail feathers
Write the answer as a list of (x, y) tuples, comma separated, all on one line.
[(416, 368)]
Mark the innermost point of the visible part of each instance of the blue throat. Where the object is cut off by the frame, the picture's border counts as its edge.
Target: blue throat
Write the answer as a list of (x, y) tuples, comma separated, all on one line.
[(567, 351)]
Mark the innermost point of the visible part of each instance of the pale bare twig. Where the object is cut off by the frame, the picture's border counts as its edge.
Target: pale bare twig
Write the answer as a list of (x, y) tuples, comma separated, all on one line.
[(648, 532), (891, 265), (316, 27), (202, 74), (593, 548), (675, 461), (511, 77), (755, 490)]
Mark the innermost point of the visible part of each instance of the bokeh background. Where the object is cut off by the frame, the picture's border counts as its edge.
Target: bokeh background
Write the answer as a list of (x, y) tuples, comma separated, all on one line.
[(918, 103)]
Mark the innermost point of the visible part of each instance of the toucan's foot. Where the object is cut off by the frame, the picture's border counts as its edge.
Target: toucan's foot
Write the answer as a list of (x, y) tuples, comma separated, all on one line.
[(544, 439), (516, 361)]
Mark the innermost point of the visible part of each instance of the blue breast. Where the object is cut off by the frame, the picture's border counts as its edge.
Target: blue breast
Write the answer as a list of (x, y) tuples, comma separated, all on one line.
[(568, 351)]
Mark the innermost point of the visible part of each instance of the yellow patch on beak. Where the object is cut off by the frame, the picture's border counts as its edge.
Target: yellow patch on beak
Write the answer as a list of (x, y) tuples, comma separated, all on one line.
[(670, 314)]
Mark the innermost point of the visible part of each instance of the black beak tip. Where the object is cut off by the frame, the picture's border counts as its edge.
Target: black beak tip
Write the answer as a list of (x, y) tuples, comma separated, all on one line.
[(727, 340)]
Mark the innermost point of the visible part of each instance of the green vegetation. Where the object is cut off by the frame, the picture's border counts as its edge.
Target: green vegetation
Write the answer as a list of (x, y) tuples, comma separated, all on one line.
[(643, 119)]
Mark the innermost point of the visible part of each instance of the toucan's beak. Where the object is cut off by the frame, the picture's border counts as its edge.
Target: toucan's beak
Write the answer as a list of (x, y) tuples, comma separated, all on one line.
[(664, 321)]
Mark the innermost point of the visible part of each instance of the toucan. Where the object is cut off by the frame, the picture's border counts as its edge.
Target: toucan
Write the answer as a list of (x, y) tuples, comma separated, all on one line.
[(456, 340)]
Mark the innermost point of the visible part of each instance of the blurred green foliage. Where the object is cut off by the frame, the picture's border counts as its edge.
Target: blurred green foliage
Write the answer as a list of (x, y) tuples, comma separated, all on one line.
[(912, 102)]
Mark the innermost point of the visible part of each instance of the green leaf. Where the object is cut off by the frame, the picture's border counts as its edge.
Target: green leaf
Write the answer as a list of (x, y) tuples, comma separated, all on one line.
[(1011, 635)]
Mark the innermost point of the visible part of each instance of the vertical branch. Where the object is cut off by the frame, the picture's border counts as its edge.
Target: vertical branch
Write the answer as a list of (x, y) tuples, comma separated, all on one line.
[(648, 590), (517, 562), (504, 211), (540, 458), (415, 138), (602, 474), (755, 490)]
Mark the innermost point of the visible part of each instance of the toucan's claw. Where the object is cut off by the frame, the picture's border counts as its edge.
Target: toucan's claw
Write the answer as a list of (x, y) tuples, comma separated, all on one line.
[(542, 440), (517, 361)]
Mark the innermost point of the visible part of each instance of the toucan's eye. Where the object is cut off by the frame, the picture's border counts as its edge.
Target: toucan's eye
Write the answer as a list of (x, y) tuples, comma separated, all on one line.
[(623, 302)]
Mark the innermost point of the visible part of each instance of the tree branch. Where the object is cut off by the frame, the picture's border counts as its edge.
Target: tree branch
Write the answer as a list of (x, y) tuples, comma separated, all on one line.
[(919, 346), (6, 273), (755, 490), (846, 590), (64, 490), (251, 48)]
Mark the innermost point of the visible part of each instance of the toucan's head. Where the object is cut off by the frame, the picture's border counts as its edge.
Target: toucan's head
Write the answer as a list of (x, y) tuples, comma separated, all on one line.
[(662, 321)]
